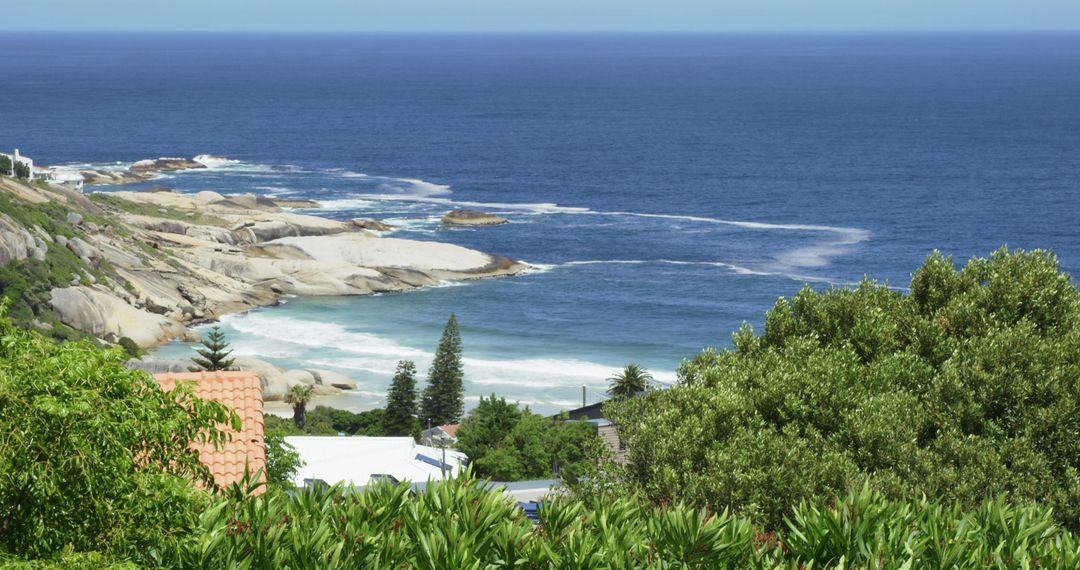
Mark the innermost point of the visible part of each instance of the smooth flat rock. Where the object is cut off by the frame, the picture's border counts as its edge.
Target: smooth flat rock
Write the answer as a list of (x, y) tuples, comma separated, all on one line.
[(472, 218)]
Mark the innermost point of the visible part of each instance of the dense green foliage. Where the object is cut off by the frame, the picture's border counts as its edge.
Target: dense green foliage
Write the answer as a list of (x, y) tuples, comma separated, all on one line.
[(94, 456), (968, 387), (215, 354), (324, 420), (401, 406), (506, 443), (633, 379), (22, 170), (5, 166), (462, 524), (282, 459), (443, 400)]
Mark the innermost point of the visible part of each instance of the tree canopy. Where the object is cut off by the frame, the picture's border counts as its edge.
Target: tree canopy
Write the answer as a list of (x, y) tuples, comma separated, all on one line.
[(94, 456), (215, 354), (966, 387), (507, 443), (443, 400), (400, 418)]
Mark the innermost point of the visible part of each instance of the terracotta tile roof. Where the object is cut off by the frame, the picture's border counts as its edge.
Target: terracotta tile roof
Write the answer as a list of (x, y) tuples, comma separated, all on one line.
[(241, 391), (450, 429)]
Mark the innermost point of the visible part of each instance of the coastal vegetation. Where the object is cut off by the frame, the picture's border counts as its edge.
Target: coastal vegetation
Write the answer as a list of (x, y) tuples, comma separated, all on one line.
[(401, 406), (214, 355), (443, 400), (324, 420), (963, 388), (111, 200), (507, 443), (93, 456), (28, 280), (866, 427)]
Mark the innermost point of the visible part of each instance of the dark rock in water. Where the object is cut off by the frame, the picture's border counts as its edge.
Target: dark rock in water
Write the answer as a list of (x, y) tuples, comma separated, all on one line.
[(373, 225), (165, 164), (101, 177), (472, 218)]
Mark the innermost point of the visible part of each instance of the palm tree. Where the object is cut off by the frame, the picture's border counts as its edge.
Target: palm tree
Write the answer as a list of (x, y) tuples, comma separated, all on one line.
[(299, 396), (630, 381)]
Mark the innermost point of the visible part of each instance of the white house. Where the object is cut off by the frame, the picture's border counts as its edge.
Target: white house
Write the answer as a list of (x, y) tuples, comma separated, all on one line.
[(72, 179), (29, 162), (360, 461)]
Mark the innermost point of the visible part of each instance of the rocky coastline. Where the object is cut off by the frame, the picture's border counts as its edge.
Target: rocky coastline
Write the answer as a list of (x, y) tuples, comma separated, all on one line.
[(147, 265)]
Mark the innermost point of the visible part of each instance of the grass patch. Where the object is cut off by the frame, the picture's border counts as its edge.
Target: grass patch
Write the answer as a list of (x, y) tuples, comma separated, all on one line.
[(154, 211)]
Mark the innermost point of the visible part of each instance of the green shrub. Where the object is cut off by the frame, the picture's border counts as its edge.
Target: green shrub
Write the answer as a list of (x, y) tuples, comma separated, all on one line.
[(507, 443), (93, 456), (461, 523), (966, 388), (324, 420), (130, 347)]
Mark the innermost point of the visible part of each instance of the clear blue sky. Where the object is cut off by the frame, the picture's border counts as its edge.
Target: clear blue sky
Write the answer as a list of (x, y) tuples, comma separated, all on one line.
[(540, 15)]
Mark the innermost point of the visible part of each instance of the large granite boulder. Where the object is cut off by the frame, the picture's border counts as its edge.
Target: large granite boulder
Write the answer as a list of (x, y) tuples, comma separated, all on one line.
[(108, 317), (103, 177), (16, 243), (330, 378), (160, 365), (373, 225)]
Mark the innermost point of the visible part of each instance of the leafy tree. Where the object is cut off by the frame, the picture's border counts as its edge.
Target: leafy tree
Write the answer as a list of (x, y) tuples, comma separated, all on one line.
[(94, 456), (964, 388), (443, 400), (282, 460), (401, 409), (631, 380), (214, 355), (298, 397), (507, 443), (324, 420), (5, 166), (21, 170), (486, 426)]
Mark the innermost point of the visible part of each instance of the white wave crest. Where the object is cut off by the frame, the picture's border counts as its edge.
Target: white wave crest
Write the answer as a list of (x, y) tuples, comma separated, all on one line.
[(211, 161), (317, 334)]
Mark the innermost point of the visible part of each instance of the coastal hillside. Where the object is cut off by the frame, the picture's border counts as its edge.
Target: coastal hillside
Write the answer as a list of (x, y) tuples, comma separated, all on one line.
[(145, 265)]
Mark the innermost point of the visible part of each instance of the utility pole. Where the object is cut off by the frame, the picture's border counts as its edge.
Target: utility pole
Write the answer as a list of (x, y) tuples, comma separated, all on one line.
[(582, 395)]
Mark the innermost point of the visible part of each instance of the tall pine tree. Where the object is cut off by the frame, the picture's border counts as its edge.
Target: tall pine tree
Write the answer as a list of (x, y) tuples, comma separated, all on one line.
[(444, 397), (400, 418), (214, 354)]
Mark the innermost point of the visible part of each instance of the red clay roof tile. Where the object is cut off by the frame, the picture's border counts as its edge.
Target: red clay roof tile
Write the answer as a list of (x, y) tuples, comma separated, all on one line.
[(241, 391)]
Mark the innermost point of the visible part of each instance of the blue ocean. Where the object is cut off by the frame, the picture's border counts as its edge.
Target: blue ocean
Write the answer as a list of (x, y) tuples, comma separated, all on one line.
[(665, 188)]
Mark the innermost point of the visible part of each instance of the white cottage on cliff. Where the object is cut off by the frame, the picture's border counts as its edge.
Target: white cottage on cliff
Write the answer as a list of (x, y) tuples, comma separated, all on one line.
[(72, 179), (18, 158)]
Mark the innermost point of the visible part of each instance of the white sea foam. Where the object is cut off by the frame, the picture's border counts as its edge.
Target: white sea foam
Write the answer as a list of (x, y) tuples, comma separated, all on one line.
[(211, 161), (839, 238), (345, 204), (317, 334), (221, 163), (534, 268), (277, 336)]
